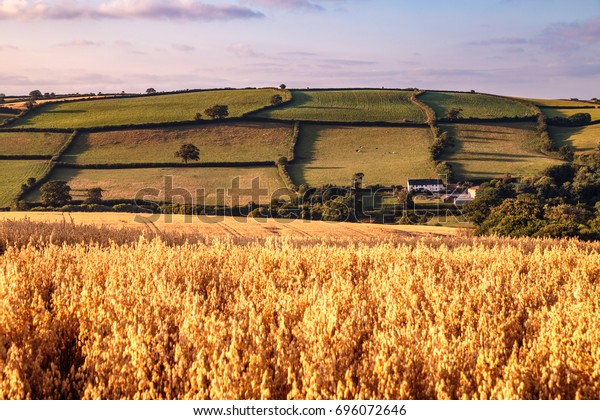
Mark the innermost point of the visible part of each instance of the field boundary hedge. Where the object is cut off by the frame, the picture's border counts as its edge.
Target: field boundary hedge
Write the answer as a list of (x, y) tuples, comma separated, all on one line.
[(285, 177), (38, 182), (52, 162), (36, 130), (144, 165), (470, 120), (567, 107), (440, 140), (26, 157), (58, 154), (295, 135), (340, 123)]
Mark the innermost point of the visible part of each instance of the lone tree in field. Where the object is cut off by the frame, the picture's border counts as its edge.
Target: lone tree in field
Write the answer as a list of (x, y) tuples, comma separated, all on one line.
[(276, 100), (357, 180), (35, 94), (93, 196), (217, 112), (453, 114), (150, 91), (188, 152), (282, 86), (55, 193), (198, 116)]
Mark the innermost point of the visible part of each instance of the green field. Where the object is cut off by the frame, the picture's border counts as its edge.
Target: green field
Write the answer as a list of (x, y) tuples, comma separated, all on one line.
[(475, 105), (567, 112), (485, 151), (31, 143), (236, 142), (582, 139), (557, 102), (14, 174), (141, 110), (127, 183), (348, 106), (388, 156)]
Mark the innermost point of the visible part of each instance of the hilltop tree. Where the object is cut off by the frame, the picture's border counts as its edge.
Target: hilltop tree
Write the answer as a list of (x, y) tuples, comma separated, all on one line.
[(55, 193), (217, 111), (150, 91), (276, 100), (282, 86), (188, 152), (35, 94), (93, 196)]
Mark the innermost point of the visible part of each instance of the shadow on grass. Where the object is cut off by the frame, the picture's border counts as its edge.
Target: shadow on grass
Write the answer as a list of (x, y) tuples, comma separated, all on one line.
[(306, 152)]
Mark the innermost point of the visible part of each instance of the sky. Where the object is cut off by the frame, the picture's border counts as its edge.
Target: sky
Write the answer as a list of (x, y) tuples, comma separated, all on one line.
[(527, 48)]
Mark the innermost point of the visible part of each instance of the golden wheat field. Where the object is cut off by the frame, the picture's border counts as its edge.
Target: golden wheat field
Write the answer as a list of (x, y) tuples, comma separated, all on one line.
[(144, 315)]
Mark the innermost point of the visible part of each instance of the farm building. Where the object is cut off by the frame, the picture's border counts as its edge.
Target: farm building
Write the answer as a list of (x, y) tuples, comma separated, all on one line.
[(473, 191), (421, 185), (462, 199)]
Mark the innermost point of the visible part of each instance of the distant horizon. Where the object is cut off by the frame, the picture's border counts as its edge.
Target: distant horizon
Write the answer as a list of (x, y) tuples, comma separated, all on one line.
[(527, 48), (291, 88)]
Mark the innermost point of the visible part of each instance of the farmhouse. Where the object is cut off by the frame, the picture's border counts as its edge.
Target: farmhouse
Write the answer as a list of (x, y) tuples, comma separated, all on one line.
[(473, 191), (421, 185)]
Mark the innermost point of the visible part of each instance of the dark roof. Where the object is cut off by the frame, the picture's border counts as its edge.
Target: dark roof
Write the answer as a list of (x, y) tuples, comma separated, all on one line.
[(425, 182)]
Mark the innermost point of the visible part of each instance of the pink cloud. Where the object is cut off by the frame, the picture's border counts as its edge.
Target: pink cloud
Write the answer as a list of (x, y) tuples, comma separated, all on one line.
[(122, 9)]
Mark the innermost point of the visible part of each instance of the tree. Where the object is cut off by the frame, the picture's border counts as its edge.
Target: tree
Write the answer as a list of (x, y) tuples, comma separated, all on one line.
[(188, 152), (453, 113), (282, 86), (217, 111), (93, 196), (198, 116), (150, 91), (55, 193), (276, 100), (35, 94), (567, 153), (357, 180), (31, 182), (2, 96)]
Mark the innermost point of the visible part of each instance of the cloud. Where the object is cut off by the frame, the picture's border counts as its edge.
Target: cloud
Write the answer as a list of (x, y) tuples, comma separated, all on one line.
[(307, 5), (344, 62), (587, 31), (290, 4), (8, 47), (79, 43), (243, 50), (499, 41), (122, 9), (183, 47)]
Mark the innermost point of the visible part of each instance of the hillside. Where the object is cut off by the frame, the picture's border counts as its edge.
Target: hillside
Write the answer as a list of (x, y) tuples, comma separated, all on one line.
[(484, 151), (380, 133), (348, 106), (143, 110), (332, 154), (236, 142)]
